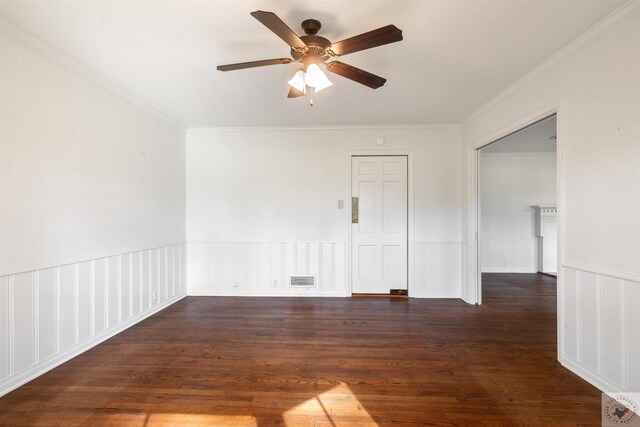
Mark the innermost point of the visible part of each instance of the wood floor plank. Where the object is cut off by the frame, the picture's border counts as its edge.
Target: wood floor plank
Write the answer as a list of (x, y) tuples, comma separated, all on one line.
[(324, 362)]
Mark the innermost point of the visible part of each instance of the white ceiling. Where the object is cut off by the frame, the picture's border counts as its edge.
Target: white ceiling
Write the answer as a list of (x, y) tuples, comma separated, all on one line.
[(455, 56), (537, 138)]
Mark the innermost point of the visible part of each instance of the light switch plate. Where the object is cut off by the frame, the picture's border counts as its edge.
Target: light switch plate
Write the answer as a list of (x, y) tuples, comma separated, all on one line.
[(340, 204)]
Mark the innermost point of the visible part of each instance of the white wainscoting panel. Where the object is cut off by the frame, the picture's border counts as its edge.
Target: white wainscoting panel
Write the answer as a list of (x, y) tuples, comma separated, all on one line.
[(600, 329), (51, 315), (264, 268), (437, 270)]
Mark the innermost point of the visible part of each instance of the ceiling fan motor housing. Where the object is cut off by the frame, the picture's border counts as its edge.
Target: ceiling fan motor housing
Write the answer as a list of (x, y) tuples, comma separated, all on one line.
[(317, 46), (316, 49)]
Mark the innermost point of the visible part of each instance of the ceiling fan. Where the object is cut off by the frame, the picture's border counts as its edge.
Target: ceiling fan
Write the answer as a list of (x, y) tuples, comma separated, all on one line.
[(313, 50)]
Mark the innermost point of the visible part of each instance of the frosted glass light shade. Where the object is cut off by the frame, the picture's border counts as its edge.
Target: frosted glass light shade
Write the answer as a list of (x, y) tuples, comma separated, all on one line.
[(298, 81), (316, 78)]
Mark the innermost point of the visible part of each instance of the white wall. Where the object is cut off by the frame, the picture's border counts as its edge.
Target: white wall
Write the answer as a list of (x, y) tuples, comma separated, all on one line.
[(595, 86), (92, 209), (510, 183), (84, 172), (273, 193)]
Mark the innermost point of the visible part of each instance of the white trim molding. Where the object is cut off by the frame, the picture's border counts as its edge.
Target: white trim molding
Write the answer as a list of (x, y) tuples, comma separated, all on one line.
[(519, 154), (633, 277), (58, 262), (455, 294), (325, 127)]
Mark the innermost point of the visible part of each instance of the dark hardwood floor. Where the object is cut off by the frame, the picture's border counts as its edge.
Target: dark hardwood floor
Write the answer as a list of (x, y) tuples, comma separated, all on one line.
[(324, 362)]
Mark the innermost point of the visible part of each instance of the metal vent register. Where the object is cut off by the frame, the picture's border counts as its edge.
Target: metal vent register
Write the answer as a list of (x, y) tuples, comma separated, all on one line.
[(303, 281)]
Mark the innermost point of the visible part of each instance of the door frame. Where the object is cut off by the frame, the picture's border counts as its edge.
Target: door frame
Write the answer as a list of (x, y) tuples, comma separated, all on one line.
[(380, 153), (472, 264)]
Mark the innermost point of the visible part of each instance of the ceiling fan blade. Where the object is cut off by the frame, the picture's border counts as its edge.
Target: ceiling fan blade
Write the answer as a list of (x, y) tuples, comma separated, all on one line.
[(294, 93), (356, 74), (275, 24), (252, 64), (375, 38)]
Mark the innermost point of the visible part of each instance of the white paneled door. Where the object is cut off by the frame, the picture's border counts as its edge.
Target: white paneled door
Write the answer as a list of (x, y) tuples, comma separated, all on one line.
[(378, 223)]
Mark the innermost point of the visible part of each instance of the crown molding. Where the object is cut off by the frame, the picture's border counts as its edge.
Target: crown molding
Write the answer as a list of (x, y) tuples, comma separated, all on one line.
[(325, 127), (21, 35), (519, 154), (602, 27)]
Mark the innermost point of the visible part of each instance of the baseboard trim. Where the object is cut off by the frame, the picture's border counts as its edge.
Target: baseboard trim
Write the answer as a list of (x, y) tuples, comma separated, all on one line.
[(601, 384), (509, 270), (435, 294), (331, 294), (31, 373)]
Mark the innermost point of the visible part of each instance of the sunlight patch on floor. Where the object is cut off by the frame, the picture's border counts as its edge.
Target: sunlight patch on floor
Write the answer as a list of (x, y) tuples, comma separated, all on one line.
[(334, 408), (177, 419)]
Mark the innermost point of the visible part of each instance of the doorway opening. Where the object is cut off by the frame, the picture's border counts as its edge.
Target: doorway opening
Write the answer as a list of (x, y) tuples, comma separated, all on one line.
[(518, 208), (379, 225)]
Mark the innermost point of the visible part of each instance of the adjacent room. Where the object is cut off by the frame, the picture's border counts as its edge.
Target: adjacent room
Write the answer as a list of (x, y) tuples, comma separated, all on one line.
[(518, 238), (319, 213)]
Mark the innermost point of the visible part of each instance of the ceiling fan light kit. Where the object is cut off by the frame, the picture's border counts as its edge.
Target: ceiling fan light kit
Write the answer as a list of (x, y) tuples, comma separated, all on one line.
[(313, 77), (312, 51), (298, 81)]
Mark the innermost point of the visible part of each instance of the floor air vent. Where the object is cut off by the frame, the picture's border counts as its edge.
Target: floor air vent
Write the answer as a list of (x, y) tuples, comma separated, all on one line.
[(303, 281)]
